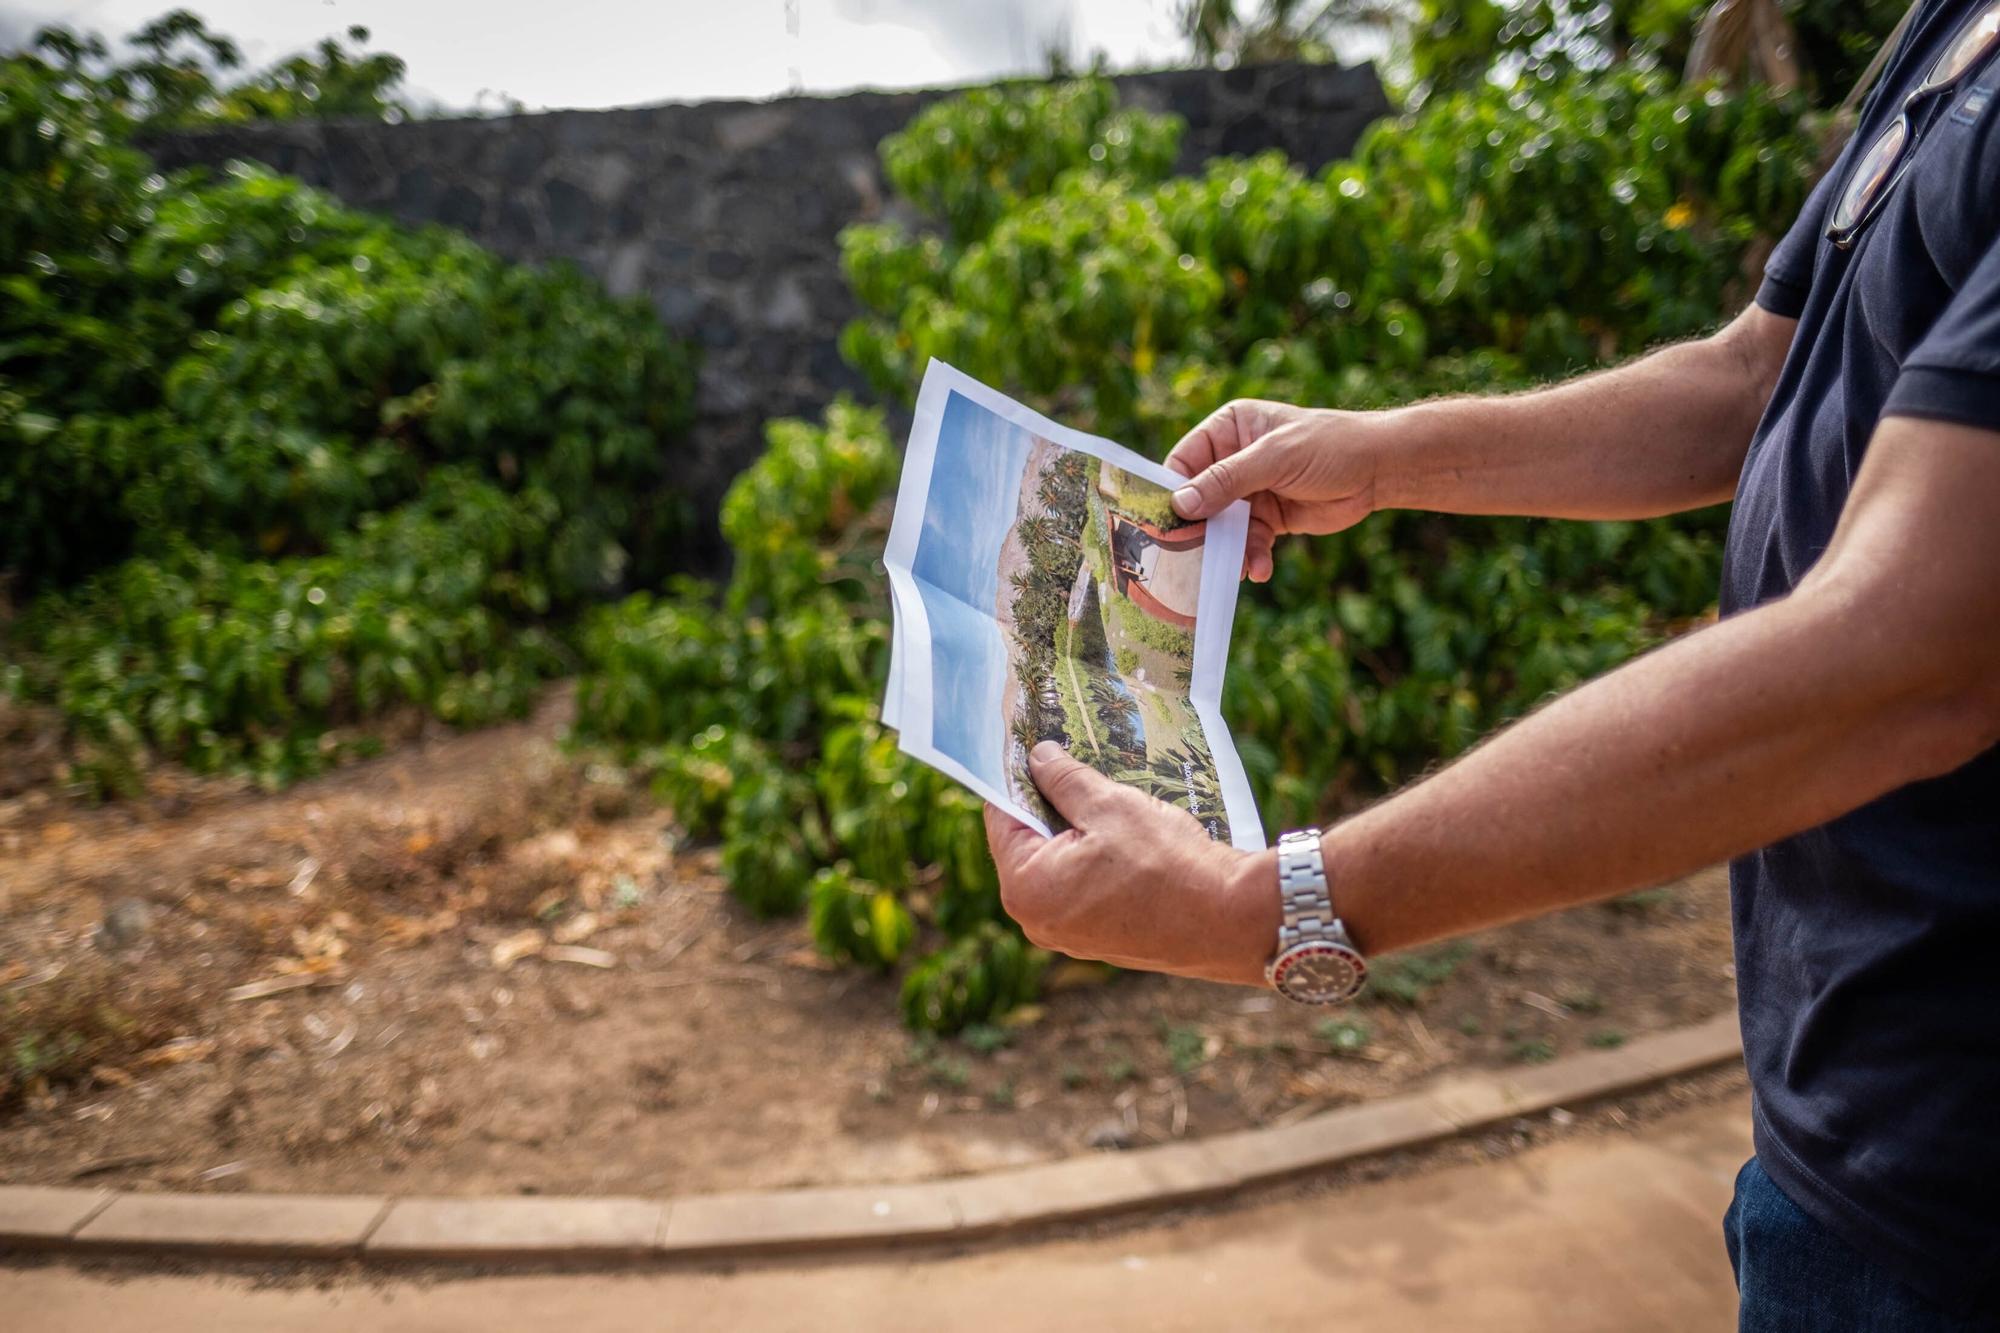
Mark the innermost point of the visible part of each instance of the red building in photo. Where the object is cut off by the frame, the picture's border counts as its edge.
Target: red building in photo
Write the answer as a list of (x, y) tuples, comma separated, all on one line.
[(1158, 570)]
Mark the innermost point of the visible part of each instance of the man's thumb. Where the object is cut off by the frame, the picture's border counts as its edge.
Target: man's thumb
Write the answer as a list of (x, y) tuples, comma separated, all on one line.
[(1074, 788), (1226, 479)]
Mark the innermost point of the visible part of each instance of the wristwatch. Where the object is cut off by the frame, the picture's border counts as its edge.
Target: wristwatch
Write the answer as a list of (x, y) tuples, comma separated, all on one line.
[(1316, 962)]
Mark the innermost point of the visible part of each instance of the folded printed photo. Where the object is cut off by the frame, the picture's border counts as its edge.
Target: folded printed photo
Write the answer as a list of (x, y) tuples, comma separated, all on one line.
[(1044, 589)]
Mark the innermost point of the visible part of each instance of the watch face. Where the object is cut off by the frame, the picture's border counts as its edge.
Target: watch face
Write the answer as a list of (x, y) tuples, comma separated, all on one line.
[(1319, 973)]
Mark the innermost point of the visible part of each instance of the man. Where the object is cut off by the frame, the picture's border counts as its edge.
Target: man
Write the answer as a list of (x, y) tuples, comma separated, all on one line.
[(1835, 733)]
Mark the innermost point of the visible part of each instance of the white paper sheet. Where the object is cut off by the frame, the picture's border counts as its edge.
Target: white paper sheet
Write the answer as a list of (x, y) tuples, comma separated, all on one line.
[(1043, 588)]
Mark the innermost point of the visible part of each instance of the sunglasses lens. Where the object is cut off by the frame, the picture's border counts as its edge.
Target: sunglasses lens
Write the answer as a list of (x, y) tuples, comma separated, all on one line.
[(1979, 38), (1869, 174)]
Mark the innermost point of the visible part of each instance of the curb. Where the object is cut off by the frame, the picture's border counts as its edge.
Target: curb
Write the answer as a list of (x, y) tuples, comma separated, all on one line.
[(755, 1223)]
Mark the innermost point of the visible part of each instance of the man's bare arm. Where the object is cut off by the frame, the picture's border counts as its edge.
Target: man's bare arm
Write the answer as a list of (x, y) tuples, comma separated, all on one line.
[(1661, 434), (1880, 669)]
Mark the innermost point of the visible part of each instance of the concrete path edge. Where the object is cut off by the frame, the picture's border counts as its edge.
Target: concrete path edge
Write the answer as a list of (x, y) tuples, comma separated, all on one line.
[(752, 1223)]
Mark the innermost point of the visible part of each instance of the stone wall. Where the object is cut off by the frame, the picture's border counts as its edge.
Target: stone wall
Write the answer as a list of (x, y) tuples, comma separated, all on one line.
[(725, 214)]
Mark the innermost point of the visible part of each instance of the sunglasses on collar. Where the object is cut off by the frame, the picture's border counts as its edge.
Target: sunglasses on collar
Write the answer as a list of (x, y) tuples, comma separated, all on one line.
[(1888, 158)]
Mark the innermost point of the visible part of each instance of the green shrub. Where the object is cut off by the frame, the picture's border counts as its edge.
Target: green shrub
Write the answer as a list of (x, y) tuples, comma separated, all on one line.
[(753, 710), (953, 844), (174, 72), (658, 660), (272, 468), (796, 520), (694, 780), (772, 842), (971, 159), (858, 922), (867, 786), (1537, 229), (227, 664), (315, 387), (987, 972)]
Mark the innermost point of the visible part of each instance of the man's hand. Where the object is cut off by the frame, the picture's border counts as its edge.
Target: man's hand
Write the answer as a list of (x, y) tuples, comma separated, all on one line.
[(1134, 881), (1655, 436), (1303, 469)]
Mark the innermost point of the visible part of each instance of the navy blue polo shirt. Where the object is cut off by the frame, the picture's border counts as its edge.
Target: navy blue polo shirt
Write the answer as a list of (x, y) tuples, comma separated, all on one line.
[(1868, 950)]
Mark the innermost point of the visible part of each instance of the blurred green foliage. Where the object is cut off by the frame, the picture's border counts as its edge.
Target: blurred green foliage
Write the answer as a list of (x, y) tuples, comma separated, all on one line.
[(969, 160), (1436, 46), (858, 922), (988, 971), (759, 726), (178, 72), (271, 467), (1442, 46), (229, 664), (1456, 44), (1239, 32)]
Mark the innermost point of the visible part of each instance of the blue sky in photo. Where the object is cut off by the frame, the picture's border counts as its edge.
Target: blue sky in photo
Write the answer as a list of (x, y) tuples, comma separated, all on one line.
[(975, 491)]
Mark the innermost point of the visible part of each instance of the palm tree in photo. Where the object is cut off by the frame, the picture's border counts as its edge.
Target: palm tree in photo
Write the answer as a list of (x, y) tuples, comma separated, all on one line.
[(1119, 711), (1042, 528), (1023, 727), (1177, 778)]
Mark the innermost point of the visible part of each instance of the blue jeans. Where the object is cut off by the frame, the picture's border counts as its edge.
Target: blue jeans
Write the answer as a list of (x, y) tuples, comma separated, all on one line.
[(1795, 1276)]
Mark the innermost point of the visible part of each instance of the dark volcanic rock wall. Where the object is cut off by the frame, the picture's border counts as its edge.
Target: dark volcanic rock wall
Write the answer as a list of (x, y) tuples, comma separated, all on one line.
[(724, 214)]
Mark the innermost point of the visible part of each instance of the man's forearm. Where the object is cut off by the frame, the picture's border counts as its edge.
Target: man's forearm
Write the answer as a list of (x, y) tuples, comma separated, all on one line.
[(1717, 744), (1877, 672), (1662, 434)]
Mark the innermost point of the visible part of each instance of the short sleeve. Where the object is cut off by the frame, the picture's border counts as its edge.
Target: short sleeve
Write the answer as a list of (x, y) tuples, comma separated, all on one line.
[(1788, 272), (1953, 373)]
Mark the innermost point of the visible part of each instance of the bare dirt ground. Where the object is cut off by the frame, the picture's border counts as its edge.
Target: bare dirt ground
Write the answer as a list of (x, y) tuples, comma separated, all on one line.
[(479, 966)]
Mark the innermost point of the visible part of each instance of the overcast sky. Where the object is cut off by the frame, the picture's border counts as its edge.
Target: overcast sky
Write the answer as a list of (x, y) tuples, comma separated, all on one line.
[(591, 53)]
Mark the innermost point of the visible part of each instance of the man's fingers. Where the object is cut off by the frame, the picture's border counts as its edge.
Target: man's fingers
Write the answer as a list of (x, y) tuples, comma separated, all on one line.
[(1258, 467), (1257, 549), (1213, 438), (1010, 841), (1079, 791)]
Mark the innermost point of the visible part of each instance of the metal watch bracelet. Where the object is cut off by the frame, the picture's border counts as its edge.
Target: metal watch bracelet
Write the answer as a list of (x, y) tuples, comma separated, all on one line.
[(1316, 961)]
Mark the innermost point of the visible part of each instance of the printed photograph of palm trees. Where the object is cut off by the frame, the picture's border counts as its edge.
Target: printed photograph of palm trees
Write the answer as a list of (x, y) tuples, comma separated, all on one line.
[(1095, 584)]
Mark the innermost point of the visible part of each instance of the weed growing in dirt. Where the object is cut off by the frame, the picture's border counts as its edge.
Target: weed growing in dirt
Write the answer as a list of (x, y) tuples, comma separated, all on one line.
[(948, 1072), (1344, 1036), (985, 1038), (1187, 1047), (1538, 1051), (62, 1031), (1581, 1001), (1408, 979)]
